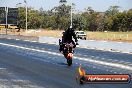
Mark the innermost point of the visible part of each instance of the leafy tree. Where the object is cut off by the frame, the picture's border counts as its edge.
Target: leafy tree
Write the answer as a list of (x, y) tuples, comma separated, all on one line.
[(59, 18)]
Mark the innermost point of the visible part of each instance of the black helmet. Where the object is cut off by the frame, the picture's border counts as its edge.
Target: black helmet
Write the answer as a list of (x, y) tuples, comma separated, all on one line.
[(71, 28)]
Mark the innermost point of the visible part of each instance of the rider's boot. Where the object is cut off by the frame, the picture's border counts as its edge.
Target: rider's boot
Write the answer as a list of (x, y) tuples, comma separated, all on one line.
[(61, 48)]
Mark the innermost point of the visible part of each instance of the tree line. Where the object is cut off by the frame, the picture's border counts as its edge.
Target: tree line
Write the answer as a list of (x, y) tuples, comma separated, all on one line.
[(90, 20)]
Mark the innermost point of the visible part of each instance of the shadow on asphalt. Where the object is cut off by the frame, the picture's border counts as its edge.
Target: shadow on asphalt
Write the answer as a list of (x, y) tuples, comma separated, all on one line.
[(63, 64)]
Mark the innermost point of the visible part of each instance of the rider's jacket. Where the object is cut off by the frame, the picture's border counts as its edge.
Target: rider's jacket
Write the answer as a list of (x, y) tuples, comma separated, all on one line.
[(68, 34)]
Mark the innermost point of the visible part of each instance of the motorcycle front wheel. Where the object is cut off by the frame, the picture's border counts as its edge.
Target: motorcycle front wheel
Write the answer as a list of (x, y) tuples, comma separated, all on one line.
[(69, 62)]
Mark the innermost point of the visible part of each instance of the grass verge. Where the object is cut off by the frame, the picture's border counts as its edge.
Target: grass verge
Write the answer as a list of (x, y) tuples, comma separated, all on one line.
[(108, 36)]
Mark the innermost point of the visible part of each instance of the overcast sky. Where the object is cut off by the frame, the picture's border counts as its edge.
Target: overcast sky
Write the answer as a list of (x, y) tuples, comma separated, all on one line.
[(98, 5)]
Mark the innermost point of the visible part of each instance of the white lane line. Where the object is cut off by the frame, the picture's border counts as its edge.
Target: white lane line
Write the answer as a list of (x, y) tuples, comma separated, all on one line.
[(21, 47), (91, 40), (75, 57), (27, 40), (33, 41), (115, 72), (8, 38), (2, 68), (17, 39), (107, 70), (111, 71), (119, 42)]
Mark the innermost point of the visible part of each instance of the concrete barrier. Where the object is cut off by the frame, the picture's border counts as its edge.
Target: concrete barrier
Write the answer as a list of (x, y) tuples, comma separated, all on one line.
[(20, 37), (90, 44), (93, 44)]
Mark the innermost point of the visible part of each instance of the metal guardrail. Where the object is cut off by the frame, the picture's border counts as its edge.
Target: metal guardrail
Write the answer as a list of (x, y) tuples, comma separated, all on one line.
[(101, 45), (93, 44)]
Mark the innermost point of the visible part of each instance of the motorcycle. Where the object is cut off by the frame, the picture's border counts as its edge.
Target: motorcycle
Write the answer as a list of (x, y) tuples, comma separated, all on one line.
[(67, 51)]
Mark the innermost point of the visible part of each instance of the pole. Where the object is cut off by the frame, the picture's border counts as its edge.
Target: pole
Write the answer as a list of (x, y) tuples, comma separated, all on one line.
[(26, 17), (71, 14), (26, 13), (118, 1), (6, 10)]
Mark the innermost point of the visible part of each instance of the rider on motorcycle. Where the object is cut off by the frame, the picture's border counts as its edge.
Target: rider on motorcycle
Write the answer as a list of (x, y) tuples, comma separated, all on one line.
[(67, 38)]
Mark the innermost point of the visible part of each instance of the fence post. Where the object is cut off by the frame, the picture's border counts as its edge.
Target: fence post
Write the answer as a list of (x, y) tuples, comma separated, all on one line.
[(127, 36), (114, 36), (120, 36), (107, 36)]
